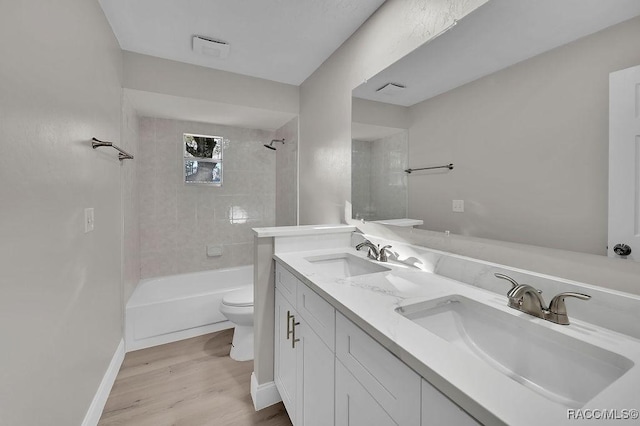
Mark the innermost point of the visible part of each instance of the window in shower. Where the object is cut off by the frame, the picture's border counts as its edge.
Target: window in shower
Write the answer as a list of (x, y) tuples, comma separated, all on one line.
[(202, 159)]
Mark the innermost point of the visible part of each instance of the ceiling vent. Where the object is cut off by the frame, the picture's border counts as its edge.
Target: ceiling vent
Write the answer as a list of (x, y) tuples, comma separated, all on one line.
[(391, 89), (210, 47)]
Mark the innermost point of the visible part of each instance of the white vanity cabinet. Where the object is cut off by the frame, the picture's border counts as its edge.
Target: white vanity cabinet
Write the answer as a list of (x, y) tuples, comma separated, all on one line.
[(304, 352), (330, 372)]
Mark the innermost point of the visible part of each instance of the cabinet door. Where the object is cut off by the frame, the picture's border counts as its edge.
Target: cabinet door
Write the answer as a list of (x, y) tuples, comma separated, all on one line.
[(437, 409), (387, 379), (316, 378), (354, 405), (284, 368)]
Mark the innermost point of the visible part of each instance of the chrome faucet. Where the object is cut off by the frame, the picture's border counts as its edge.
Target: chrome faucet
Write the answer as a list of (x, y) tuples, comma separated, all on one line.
[(373, 250), (528, 299), (375, 253), (558, 309), (382, 256)]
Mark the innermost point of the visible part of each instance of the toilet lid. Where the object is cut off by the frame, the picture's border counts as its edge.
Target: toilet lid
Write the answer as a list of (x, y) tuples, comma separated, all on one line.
[(242, 297)]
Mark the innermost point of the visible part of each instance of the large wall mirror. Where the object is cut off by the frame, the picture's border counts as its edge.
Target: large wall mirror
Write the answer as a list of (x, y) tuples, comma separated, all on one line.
[(516, 96)]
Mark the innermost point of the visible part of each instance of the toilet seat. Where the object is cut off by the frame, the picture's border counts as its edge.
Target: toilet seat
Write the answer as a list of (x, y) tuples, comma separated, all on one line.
[(239, 298)]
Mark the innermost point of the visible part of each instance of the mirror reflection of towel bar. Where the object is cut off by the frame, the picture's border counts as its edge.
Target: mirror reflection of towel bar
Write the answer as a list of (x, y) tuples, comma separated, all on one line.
[(448, 166), (122, 154)]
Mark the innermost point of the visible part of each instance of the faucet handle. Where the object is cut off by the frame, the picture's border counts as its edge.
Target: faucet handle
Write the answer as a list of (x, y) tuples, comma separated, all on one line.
[(383, 253), (558, 309), (513, 282)]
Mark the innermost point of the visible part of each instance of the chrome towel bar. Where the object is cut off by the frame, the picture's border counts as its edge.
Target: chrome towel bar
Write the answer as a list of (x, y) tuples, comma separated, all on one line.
[(448, 166), (122, 154)]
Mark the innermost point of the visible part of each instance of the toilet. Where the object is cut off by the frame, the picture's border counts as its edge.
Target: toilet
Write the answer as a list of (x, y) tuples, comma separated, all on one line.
[(237, 307)]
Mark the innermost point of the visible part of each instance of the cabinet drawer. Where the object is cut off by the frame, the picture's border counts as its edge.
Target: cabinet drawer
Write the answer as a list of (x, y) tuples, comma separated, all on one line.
[(287, 283), (394, 385), (319, 315)]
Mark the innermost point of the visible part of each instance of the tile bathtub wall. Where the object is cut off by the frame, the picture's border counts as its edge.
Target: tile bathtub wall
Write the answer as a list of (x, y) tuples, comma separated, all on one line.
[(378, 180), (287, 175), (361, 179), (389, 159), (178, 221), (130, 200)]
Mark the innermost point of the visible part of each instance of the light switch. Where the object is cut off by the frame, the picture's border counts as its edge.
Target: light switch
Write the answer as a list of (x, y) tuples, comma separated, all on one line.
[(88, 220), (458, 206)]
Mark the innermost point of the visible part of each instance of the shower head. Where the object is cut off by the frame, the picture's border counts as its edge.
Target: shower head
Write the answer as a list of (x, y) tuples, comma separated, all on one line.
[(270, 146)]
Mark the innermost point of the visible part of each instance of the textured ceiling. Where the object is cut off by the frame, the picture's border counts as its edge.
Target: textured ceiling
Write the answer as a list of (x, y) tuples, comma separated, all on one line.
[(279, 40), (495, 36)]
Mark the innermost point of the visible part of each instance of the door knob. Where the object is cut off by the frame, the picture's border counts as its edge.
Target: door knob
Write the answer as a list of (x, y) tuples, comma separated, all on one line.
[(622, 250)]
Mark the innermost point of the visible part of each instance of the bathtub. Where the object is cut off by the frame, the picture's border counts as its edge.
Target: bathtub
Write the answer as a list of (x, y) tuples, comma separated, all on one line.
[(167, 309)]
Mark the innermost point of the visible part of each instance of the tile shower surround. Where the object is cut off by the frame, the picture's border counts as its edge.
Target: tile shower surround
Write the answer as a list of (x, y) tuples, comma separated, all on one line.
[(178, 221), (287, 175), (378, 180), (130, 201), (389, 159)]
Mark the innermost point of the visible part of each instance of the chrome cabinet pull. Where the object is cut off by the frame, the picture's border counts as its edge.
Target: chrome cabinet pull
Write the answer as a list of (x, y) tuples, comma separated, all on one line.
[(289, 317), (293, 333)]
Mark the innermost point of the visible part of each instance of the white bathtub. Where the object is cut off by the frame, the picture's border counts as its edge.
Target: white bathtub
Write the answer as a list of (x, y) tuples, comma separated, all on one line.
[(166, 309)]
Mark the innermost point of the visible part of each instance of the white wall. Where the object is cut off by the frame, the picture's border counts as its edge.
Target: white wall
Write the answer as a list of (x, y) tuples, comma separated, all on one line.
[(151, 74), (379, 114), (60, 289), (178, 221), (530, 147), (395, 29)]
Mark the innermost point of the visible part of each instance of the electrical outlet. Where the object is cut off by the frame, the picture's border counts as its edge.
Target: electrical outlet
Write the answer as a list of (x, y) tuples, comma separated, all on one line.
[(88, 219), (214, 250), (458, 206)]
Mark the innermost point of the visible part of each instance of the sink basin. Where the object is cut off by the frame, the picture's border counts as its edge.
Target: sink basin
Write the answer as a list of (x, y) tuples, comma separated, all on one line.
[(561, 368), (343, 265)]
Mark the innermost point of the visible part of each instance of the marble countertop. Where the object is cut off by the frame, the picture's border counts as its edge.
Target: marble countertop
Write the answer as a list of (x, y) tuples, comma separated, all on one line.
[(371, 300)]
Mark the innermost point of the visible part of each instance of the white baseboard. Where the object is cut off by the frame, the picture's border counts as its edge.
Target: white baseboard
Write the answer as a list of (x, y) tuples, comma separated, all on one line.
[(102, 394), (263, 395), (134, 345)]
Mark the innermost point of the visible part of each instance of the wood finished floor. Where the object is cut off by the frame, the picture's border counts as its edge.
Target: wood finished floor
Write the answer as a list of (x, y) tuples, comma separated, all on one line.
[(191, 382)]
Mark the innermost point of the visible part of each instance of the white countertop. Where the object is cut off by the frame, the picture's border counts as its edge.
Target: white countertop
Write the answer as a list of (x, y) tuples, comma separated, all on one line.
[(295, 231), (371, 300)]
